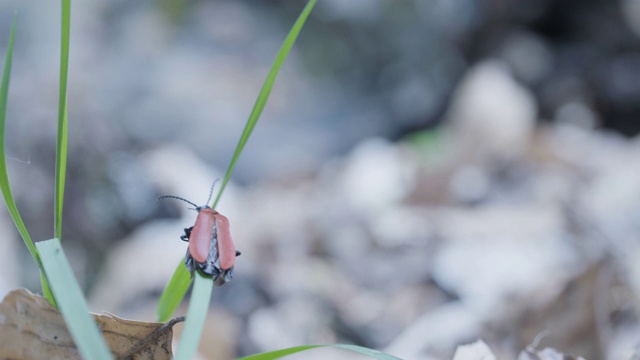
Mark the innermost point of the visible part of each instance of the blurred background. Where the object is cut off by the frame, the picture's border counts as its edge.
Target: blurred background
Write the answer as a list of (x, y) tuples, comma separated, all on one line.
[(425, 173)]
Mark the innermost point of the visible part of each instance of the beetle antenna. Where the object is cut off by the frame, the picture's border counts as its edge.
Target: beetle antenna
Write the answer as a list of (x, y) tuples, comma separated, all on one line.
[(177, 198), (211, 191)]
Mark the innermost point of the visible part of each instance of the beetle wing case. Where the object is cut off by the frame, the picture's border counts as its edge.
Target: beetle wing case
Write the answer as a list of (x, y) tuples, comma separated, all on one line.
[(201, 234), (226, 249)]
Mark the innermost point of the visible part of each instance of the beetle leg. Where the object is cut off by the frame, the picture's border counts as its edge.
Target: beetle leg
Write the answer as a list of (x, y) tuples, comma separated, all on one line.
[(224, 277), (238, 253), (187, 234)]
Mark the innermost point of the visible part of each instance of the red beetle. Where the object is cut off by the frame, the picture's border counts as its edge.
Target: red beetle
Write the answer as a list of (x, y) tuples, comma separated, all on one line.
[(211, 248)]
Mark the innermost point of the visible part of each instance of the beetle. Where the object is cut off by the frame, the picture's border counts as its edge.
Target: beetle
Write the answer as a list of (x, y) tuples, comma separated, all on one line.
[(211, 249)]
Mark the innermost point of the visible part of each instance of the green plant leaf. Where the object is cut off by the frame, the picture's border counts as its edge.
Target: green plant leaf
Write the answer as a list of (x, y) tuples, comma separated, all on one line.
[(265, 92), (71, 302), (4, 177), (61, 147), (289, 351), (174, 299), (196, 315), (46, 290), (173, 293)]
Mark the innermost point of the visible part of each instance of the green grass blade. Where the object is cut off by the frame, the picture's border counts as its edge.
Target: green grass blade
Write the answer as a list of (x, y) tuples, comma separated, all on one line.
[(71, 302), (264, 93), (196, 315), (46, 290), (375, 354), (4, 177), (61, 149), (173, 293)]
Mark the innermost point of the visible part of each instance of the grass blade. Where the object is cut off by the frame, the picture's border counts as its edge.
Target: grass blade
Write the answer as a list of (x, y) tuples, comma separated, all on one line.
[(265, 92), (4, 177), (375, 354), (46, 290), (196, 315), (173, 293), (5, 188), (61, 148), (72, 304), (164, 307)]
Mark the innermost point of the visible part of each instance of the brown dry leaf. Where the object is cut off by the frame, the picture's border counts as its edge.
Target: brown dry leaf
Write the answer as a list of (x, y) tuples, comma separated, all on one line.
[(30, 328)]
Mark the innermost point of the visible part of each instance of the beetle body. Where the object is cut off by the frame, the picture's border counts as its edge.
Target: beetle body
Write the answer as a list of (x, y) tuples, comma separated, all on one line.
[(211, 249)]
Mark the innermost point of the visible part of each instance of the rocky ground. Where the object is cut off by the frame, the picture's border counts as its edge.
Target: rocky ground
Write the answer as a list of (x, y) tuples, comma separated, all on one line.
[(494, 229), (406, 193)]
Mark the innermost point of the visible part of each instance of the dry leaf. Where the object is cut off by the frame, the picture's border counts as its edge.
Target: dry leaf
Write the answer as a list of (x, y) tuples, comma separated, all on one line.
[(30, 328)]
